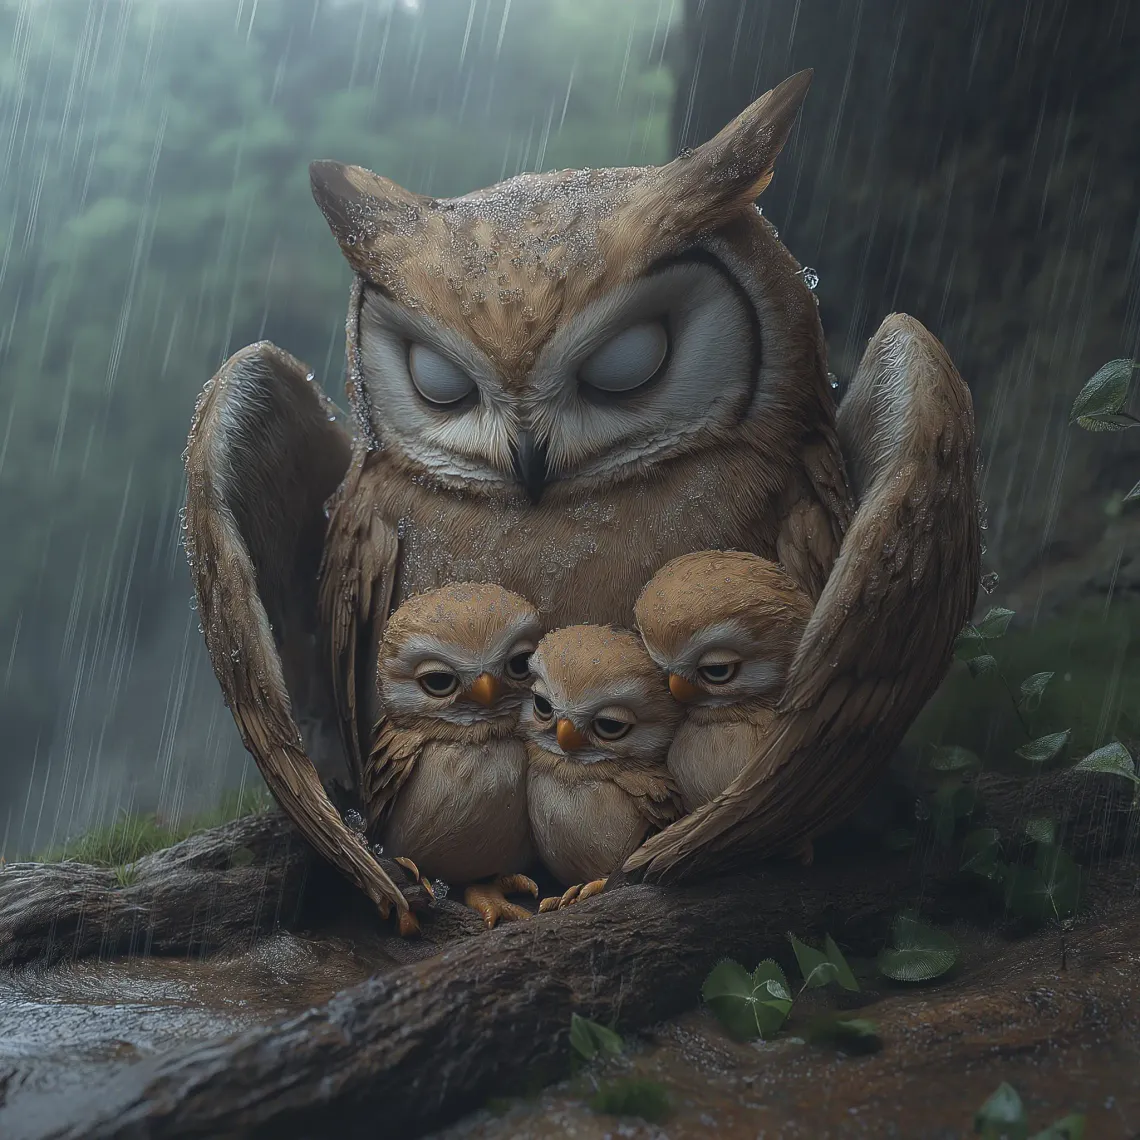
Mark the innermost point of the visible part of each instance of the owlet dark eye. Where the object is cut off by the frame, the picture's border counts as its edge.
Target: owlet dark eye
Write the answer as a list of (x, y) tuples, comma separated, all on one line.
[(719, 674), (543, 709), (439, 380), (438, 684), (608, 728), (628, 360), (518, 666)]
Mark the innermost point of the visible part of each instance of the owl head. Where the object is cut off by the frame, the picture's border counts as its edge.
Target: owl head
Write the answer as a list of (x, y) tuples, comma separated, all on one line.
[(596, 695), (459, 654), (724, 625), (566, 330)]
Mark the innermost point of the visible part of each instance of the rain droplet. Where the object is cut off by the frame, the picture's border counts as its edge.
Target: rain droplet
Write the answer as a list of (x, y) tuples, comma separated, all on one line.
[(353, 820), (811, 278), (685, 152), (990, 581), (833, 380), (441, 888)]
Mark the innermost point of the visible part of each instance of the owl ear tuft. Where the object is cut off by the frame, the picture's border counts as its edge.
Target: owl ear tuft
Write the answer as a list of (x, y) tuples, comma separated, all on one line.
[(360, 206), (721, 177)]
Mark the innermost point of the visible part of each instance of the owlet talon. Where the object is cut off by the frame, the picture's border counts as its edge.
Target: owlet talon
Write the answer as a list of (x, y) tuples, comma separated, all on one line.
[(518, 884), (592, 888), (547, 905), (487, 900), (409, 925), (570, 895)]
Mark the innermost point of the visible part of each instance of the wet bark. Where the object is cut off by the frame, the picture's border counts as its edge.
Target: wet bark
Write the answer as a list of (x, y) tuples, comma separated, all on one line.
[(423, 1043)]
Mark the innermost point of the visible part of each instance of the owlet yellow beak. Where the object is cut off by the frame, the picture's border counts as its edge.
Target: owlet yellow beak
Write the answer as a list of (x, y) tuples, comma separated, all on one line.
[(485, 689), (569, 738), (682, 690)]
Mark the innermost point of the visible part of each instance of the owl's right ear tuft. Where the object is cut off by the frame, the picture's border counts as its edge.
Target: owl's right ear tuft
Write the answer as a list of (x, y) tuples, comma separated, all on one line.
[(359, 205)]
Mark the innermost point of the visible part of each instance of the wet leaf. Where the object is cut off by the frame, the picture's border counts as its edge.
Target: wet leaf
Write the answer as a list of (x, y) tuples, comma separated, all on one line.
[(843, 974), (632, 1096), (1107, 422), (1113, 758), (1044, 747), (950, 803), (995, 623), (967, 643), (1041, 831), (748, 1005), (851, 1034), (1002, 1117), (815, 966), (981, 851), (920, 953), (951, 758), (1034, 686), (588, 1038), (1046, 891), (983, 663), (1070, 1127), (1133, 496), (1105, 393)]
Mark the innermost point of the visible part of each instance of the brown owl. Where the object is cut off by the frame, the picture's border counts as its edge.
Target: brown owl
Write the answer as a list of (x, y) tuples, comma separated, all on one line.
[(725, 627), (444, 783), (597, 728), (561, 383)]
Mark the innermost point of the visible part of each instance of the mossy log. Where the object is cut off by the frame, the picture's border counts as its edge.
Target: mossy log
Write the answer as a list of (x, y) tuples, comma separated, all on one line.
[(422, 1043)]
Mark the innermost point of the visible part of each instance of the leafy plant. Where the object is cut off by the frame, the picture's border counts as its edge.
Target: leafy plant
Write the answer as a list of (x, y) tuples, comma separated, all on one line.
[(633, 1096), (1099, 405), (1115, 760), (756, 1004), (920, 953), (589, 1039), (1002, 1117)]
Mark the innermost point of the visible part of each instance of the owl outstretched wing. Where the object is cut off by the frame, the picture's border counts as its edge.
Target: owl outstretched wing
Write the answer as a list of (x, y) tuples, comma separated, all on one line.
[(265, 453), (881, 637), (657, 796)]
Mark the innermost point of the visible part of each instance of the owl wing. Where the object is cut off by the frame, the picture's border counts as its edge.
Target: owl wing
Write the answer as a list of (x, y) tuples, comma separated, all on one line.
[(881, 636), (658, 798), (390, 762), (265, 453), (357, 578)]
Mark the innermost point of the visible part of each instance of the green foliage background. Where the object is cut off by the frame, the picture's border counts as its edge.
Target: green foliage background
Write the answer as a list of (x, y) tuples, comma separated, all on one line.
[(155, 215)]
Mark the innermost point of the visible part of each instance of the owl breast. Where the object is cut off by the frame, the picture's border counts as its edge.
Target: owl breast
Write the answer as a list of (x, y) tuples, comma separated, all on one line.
[(462, 814), (579, 557), (705, 758), (582, 829)]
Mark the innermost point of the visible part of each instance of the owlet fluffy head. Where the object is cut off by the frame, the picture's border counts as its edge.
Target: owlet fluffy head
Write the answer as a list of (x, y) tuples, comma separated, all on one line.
[(571, 328), (596, 695), (460, 653), (724, 625)]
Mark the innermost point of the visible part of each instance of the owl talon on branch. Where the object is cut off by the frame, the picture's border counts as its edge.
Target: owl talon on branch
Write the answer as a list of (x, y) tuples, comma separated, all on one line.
[(414, 871), (577, 893), (488, 899)]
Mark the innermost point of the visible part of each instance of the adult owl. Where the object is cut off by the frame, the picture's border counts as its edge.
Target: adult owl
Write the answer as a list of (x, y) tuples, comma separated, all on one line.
[(558, 384)]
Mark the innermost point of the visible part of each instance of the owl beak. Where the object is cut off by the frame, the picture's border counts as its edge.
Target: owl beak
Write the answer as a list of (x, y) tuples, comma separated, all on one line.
[(528, 456), (485, 689), (569, 738), (682, 690)]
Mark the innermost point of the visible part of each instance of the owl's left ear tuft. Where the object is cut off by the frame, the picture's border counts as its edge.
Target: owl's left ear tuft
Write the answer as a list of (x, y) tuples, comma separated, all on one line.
[(360, 206), (726, 174)]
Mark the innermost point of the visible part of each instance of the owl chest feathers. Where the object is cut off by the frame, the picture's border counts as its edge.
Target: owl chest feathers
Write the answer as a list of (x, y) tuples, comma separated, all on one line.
[(461, 813), (707, 754)]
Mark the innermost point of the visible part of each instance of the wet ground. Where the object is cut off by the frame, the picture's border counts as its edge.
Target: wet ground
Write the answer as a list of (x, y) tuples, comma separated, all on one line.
[(1067, 1039)]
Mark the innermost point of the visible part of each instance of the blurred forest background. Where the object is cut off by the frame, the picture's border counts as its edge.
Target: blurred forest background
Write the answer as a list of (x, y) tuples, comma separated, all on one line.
[(974, 164)]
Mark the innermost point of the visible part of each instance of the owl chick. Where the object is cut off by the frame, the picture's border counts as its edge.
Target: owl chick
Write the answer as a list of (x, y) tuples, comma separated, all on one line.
[(597, 726), (725, 627), (445, 781)]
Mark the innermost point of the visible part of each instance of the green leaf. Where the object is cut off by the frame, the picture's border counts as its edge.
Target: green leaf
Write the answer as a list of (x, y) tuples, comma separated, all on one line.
[(1049, 890), (967, 643), (981, 850), (851, 1034), (1105, 393), (1070, 1127), (983, 663), (843, 974), (748, 1005), (633, 1096), (920, 952), (995, 623), (1133, 496), (1034, 686), (815, 966), (950, 803), (1002, 1117), (1044, 747), (1113, 758), (1108, 422), (588, 1038), (951, 758), (1041, 831)]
